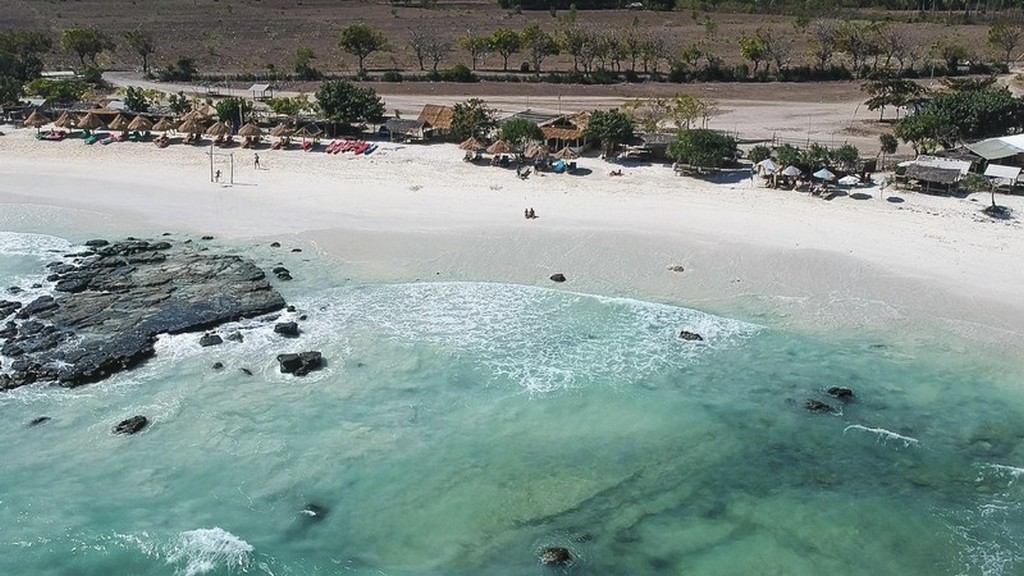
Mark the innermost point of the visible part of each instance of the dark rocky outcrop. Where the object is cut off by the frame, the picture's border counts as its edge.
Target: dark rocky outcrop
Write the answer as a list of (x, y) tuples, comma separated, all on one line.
[(39, 420), (235, 336), (555, 556), (131, 425), (690, 336), (218, 365), (300, 364), (819, 407), (210, 340), (559, 277), (113, 301), (840, 392), (275, 244), (289, 329)]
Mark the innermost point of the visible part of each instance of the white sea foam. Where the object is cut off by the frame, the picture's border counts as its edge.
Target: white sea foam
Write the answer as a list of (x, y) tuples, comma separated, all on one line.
[(205, 549), (541, 339), (884, 435), (42, 246)]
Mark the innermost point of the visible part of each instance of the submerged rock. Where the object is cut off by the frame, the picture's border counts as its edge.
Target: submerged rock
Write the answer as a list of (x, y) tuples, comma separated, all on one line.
[(555, 556), (300, 364), (246, 371), (690, 336), (131, 425), (676, 268), (39, 420), (559, 277), (819, 407), (218, 365), (235, 336), (117, 298), (840, 392), (314, 511)]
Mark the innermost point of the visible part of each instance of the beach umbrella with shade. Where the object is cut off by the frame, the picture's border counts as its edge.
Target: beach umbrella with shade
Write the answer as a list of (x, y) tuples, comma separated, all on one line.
[(90, 121), (791, 171), (824, 175), (472, 145), (119, 123), (309, 131), (164, 125), (536, 151), (140, 124), (566, 154), (499, 147), (218, 129), (190, 126), (250, 130), (850, 180), (36, 120), (766, 166)]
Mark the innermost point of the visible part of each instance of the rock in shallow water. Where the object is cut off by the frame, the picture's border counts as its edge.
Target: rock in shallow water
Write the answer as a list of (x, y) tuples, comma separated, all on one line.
[(39, 420), (300, 364), (691, 336), (840, 392), (289, 329), (555, 556), (819, 407), (133, 291), (131, 425), (558, 277), (210, 340)]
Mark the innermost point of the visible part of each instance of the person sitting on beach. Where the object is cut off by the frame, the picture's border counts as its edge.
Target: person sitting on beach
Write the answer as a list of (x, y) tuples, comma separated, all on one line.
[(531, 214), (616, 172), (526, 213)]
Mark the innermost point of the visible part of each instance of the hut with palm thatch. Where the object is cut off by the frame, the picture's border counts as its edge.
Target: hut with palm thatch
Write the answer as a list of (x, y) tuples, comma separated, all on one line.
[(252, 134), (140, 124), (436, 119), (90, 121), (36, 120), (164, 125), (193, 129), (66, 121), (118, 124)]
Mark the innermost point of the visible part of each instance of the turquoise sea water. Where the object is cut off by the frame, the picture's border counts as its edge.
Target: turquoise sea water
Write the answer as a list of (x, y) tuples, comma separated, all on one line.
[(460, 427)]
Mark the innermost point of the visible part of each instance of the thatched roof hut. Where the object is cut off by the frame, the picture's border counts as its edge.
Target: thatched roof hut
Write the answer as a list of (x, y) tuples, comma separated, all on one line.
[(282, 131), (309, 131), (472, 145), (36, 120), (66, 120), (436, 118), (499, 147), (190, 126), (90, 121), (250, 130), (218, 129), (164, 125), (566, 153), (118, 123), (534, 151), (931, 176), (140, 124)]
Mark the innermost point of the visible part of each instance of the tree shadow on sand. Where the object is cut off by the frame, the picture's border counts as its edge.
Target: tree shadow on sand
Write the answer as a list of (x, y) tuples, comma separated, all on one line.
[(895, 200), (861, 196)]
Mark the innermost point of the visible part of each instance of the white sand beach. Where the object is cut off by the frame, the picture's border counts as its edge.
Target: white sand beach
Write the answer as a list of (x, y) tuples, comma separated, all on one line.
[(419, 212)]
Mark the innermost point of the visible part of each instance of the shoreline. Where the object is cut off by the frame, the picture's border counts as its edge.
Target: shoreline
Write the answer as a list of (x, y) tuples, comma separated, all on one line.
[(418, 212)]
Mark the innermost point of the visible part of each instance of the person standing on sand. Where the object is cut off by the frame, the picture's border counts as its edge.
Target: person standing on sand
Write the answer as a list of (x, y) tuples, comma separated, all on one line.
[(256, 161)]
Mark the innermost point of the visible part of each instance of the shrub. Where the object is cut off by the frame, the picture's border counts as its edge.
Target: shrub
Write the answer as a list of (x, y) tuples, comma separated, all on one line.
[(392, 76)]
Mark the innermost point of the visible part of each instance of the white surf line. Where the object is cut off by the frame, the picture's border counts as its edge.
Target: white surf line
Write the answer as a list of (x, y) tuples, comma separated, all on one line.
[(884, 434)]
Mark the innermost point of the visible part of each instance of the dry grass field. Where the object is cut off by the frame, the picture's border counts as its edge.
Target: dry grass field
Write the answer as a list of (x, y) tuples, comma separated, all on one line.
[(245, 36)]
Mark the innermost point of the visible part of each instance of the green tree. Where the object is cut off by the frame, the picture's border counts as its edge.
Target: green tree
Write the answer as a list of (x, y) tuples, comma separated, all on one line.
[(703, 148), (143, 45), (304, 64), (759, 153), (539, 44), (887, 145), (135, 99), (753, 49), (86, 43), (951, 118), (1005, 38), (289, 106), (342, 101), (234, 110), (56, 90), (179, 103), (789, 155), (609, 127), (20, 61), (472, 118), (846, 157), (506, 43), (885, 91), (476, 46), (361, 40), (184, 70), (519, 132)]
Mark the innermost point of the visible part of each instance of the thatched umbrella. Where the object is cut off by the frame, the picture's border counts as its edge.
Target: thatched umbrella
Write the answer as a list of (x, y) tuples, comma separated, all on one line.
[(282, 130), (164, 125), (190, 126), (472, 145), (36, 120), (66, 120), (90, 121), (536, 151), (250, 130), (119, 123), (140, 124), (218, 129), (499, 147), (566, 154)]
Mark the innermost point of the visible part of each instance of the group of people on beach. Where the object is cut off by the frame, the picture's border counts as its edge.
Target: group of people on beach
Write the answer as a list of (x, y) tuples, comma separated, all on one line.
[(529, 214)]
